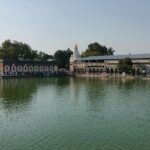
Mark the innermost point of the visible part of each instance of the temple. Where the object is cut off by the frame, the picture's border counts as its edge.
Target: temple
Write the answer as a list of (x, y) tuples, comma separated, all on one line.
[(108, 63)]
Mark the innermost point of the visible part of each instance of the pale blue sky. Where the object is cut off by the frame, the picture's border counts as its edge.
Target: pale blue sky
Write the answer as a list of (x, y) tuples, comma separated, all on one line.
[(49, 25)]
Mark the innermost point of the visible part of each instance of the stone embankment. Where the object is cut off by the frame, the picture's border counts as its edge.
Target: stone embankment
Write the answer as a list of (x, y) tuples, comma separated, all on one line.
[(105, 75)]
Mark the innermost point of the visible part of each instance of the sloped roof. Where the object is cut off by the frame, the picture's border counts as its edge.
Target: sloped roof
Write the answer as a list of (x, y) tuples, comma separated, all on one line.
[(116, 57)]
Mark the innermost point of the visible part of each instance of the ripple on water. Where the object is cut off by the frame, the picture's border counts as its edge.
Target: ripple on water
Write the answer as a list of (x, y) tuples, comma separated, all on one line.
[(71, 114)]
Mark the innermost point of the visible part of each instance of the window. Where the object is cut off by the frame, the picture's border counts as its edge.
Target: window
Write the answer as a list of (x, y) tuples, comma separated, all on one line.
[(36, 68), (7, 68), (19, 68), (25, 68), (30, 68)]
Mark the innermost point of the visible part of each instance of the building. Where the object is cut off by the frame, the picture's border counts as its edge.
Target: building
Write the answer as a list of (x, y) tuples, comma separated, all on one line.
[(27, 68), (108, 64)]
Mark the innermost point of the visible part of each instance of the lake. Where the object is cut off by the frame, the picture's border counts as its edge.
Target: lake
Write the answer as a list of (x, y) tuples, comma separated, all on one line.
[(74, 114)]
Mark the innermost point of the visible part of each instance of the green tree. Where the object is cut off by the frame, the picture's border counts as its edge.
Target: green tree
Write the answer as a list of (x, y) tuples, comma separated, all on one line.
[(34, 54), (95, 49), (15, 50), (110, 51), (125, 65), (18, 50), (47, 57), (62, 57)]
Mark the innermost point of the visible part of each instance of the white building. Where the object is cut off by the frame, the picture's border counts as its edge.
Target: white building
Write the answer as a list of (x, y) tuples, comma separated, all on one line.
[(108, 63)]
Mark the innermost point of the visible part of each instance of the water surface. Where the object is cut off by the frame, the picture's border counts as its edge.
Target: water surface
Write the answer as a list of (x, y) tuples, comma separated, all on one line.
[(74, 114)]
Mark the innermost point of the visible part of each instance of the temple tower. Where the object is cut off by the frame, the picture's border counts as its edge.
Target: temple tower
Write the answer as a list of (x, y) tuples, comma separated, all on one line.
[(75, 56)]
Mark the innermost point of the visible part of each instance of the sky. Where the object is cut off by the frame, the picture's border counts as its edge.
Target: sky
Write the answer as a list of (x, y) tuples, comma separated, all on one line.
[(50, 25)]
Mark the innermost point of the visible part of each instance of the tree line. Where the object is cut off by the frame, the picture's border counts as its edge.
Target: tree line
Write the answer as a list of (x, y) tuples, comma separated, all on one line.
[(14, 50)]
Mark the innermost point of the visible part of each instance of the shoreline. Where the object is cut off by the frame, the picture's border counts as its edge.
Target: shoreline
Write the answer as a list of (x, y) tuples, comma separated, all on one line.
[(106, 76), (100, 76)]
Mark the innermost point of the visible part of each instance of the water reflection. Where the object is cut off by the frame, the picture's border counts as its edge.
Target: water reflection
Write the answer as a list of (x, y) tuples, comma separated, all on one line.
[(74, 113), (96, 93), (16, 94)]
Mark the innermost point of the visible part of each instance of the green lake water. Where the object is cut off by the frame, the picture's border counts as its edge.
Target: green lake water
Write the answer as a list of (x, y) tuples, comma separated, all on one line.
[(74, 114)]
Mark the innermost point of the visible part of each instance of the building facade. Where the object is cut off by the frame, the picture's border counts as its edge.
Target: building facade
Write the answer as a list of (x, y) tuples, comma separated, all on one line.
[(26, 68), (108, 64)]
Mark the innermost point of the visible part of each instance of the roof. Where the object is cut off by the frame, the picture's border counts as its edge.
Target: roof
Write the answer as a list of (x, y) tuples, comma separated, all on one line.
[(25, 61), (116, 57)]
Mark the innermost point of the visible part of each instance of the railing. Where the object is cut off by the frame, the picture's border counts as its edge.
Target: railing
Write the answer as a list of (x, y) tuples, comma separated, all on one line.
[(90, 64)]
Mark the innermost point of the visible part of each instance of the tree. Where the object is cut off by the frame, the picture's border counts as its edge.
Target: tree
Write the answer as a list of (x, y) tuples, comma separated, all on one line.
[(95, 49), (18, 50), (62, 58), (125, 65), (15, 50), (47, 57), (34, 54), (110, 51)]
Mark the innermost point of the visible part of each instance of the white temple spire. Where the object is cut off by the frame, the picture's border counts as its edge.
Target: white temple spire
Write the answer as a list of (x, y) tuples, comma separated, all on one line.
[(75, 54)]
